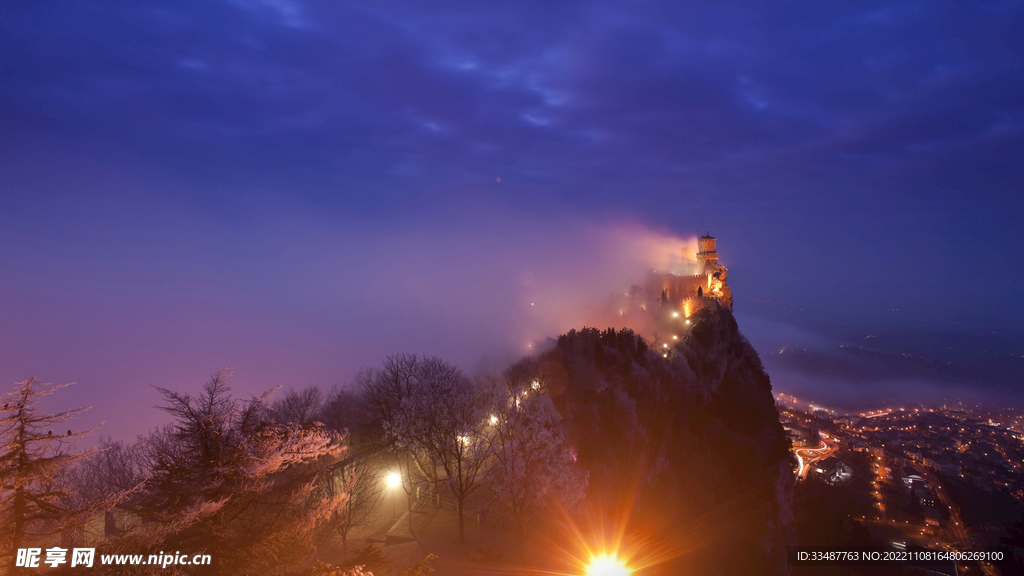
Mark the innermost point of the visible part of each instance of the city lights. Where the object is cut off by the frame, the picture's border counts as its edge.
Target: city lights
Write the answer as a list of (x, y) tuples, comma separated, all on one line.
[(393, 480)]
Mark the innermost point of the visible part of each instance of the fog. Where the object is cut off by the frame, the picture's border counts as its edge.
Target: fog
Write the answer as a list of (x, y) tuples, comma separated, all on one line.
[(851, 370), (294, 299), (290, 297)]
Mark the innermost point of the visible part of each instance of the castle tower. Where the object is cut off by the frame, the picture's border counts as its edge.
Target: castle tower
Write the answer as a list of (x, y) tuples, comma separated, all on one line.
[(689, 290), (706, 252)]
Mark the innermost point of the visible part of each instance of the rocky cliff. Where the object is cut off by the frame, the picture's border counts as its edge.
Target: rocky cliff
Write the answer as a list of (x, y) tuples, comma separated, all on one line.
[(683, 443)]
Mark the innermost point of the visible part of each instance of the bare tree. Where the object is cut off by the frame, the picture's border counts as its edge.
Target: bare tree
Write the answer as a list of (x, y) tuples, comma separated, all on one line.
[(444, 419), (361, 477), (533, 470), (35, 455), (347, 408), (384, 392), (115, 467), (522, 374), (431, 416), (112, 476), (385, 389), (389, 393), (300, 406)]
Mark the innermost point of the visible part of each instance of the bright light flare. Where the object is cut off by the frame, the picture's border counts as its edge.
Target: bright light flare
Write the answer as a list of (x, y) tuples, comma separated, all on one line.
[(607, 565), (393, 480)]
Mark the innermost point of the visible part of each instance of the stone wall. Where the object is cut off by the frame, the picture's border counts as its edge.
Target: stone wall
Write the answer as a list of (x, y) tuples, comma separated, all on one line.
[(677, 288)]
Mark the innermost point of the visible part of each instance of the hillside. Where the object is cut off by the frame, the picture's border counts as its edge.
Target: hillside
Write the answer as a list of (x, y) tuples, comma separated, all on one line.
[(686, 437)]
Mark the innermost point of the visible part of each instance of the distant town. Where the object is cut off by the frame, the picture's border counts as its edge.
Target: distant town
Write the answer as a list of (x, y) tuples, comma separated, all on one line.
[(945, 477)]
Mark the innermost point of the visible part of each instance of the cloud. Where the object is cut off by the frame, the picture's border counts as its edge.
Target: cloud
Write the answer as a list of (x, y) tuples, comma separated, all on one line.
[(288, 12), (566, 95)]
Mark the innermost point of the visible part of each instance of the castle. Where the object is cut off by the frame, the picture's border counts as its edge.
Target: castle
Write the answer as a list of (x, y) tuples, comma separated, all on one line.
[(690, 290)]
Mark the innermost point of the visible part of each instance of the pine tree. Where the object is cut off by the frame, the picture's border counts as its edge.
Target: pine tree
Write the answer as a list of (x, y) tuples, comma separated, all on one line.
[(35, 456), (225, 478)]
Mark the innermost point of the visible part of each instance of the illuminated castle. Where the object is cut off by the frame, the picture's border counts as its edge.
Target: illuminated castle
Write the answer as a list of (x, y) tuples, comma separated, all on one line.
[(709, 281)]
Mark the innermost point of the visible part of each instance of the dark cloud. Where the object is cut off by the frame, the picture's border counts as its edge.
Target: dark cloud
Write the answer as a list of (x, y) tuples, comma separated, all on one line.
[(664, 92)]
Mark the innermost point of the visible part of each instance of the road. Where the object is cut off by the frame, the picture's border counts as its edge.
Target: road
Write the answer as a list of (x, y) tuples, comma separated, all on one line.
[(876, 486), (956, 526), (807, 456)]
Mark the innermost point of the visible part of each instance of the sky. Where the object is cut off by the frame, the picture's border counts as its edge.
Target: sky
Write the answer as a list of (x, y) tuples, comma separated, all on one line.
[(297, 189)]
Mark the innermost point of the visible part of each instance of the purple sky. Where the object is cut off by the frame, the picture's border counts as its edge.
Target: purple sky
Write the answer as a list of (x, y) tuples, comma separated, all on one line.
[(298, 189)]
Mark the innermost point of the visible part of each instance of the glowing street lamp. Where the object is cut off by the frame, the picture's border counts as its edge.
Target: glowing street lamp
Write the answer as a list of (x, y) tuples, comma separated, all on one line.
[(393, 480), (607, 565)]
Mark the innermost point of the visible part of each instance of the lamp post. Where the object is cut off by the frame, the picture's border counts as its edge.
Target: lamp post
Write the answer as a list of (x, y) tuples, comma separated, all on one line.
[(393, 480)]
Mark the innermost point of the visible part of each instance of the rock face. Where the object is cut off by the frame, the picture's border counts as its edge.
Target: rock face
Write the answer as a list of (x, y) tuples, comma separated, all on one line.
[(686, 438)]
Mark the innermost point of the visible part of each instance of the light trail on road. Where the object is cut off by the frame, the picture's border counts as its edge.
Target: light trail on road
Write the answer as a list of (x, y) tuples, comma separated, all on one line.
[(812, 455)]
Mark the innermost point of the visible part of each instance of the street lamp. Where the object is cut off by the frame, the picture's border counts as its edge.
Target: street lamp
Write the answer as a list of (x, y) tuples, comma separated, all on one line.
[(393, 480), (607, 565)]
